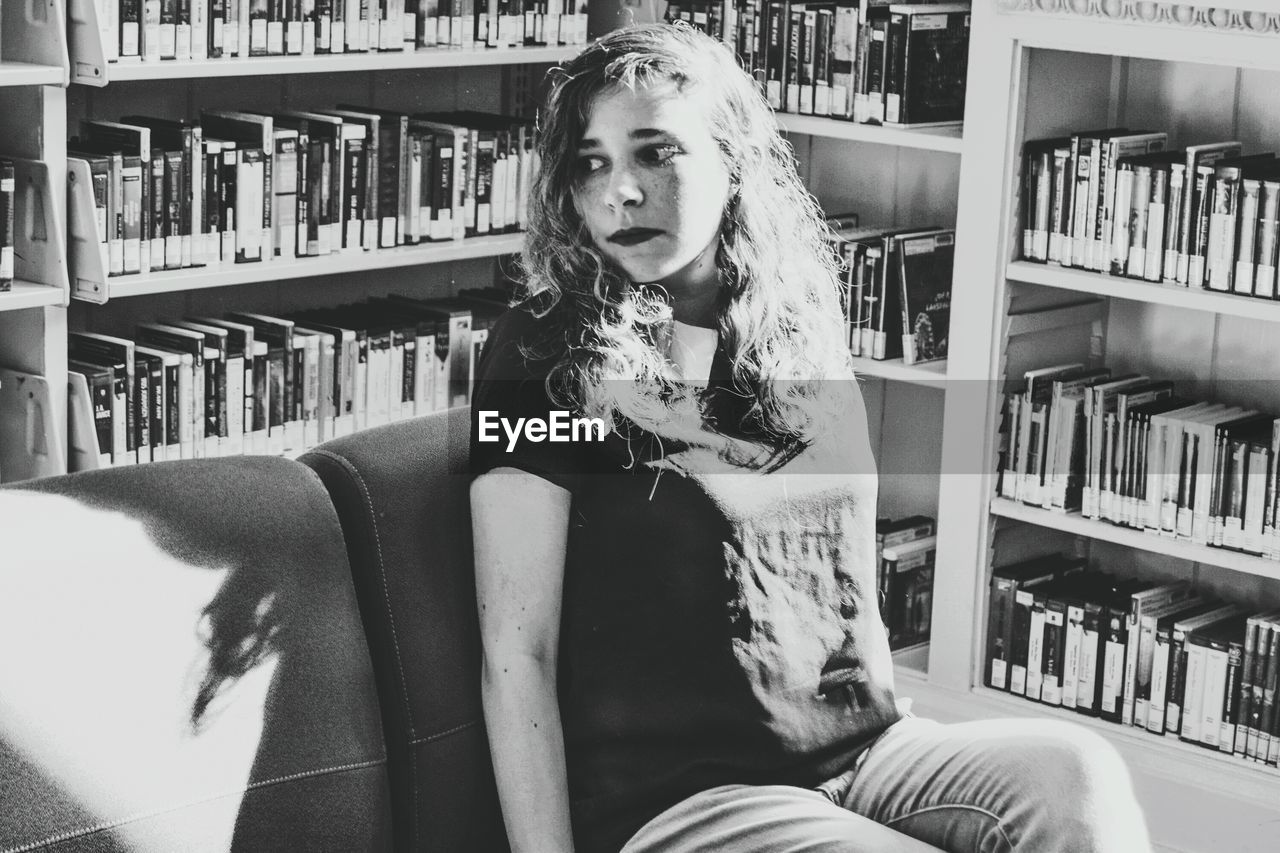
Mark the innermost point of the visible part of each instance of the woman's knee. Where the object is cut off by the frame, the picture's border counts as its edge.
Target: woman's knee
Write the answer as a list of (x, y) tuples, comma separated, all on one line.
[(1074, 784), (1071, 758)]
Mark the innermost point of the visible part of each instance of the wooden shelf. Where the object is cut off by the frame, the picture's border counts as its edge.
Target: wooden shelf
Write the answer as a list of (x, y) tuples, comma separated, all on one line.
[(29, 74), (1166, 755), (1198, 299), (338, 62), (24, 294), (948, 139), (1076, 524), (172, 281), (932, 374)]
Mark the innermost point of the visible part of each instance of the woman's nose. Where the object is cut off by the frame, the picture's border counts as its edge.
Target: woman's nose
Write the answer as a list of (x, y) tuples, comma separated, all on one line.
[(624, 190)]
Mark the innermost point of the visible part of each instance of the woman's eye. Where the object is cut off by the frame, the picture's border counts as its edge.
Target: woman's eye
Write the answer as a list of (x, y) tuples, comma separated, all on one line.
[(589, 164), (662, 153)]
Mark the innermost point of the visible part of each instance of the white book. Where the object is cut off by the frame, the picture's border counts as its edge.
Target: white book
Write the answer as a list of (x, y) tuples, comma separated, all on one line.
[(1215, 679)]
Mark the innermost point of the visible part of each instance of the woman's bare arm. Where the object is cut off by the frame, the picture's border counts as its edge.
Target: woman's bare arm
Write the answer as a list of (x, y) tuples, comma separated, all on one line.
[(520, 524)]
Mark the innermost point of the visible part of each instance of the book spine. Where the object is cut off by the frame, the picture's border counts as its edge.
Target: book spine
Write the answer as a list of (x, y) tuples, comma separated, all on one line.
[(1158, 699), (172, 203), (1173, 221), (998, 627), (1091, 659), (1157, 213), (1268, 240), (8, 229), (1230, 728), (1198, 240), (1246, 234), (1113, 641)]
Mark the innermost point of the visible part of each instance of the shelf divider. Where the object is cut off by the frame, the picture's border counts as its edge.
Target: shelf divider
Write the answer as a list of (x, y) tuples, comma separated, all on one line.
[(39, 254), (33, 42)]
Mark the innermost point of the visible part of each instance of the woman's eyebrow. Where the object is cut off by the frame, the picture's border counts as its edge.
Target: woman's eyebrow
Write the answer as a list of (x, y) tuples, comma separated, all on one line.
[(638, 133)]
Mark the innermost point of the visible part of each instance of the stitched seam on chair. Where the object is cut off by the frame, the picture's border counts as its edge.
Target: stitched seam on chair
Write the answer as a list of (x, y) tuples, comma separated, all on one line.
[(391, 621), (966, 806), (444, 734), (116, 824), (382, 576)]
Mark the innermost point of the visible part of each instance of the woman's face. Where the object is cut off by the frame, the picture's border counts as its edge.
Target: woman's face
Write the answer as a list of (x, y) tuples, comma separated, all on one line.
[(651, 186)]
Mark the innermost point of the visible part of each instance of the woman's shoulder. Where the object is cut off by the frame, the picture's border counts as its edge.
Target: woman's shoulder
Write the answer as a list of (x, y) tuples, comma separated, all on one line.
[(519, 345)]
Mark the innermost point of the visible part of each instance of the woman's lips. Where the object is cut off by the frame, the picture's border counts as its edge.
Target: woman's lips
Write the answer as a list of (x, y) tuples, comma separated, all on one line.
[(633, 236)]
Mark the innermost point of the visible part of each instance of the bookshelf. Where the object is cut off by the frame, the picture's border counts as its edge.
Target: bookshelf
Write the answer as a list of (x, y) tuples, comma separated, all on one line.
[(1202, 72)]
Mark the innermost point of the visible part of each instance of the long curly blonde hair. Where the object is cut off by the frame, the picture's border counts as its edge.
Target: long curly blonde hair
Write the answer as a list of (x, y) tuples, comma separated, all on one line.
[(778, 314)]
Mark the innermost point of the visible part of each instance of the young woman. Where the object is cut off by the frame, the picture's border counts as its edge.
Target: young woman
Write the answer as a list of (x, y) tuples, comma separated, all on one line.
[(682, 648)]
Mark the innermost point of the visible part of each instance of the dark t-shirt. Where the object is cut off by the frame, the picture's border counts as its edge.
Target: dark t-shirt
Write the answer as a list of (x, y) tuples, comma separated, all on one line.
[(719, 615)]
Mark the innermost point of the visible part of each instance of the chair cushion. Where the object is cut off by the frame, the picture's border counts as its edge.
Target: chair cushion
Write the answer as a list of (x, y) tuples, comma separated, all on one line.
[(402, 495), (184, 666)]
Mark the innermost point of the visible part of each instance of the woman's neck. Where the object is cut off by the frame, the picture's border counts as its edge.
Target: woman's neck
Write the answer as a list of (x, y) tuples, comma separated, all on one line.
[(696, 309)]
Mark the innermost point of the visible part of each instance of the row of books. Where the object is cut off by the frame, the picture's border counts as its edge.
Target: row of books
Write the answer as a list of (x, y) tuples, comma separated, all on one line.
[(134, 30), (1166, 658), (906, 552), (8, 233), (877, 61), (1116, 201), (1129, 450), (265, 384), (897, 291), (241, 187)]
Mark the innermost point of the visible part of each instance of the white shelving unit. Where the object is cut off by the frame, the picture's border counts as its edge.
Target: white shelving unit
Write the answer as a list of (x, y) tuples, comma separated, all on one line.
[(33, 317), (1202, 71)]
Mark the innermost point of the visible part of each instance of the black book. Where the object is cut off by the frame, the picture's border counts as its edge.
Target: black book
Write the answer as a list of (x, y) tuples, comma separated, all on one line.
[(926, 63), (8, 232), (925, 265)]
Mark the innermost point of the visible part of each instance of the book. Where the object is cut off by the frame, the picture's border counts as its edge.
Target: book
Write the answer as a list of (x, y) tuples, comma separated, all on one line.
[(909, 568), (925, 264), (8, 231), (1160, 692), (119, 353), (1178, 693), (100, 408), (193, 390), (1040, 195), (892, 533), (927, 57), (1197, 157)]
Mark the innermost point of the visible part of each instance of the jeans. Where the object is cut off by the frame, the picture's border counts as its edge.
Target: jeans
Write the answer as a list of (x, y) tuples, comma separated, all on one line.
[(981, 787)]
